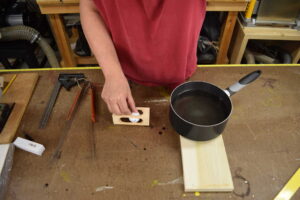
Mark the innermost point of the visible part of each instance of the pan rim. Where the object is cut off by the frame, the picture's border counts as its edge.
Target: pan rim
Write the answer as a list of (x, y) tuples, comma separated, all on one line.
[(200, 125)]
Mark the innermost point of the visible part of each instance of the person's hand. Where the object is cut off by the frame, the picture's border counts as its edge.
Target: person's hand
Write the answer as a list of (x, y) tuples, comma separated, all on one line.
[(117, 95)]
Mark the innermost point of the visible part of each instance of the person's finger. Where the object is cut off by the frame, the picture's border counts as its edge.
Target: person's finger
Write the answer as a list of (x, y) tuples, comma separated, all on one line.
[(124, 107), (107, 103), (131, 103), (109, 108), (115, 108)]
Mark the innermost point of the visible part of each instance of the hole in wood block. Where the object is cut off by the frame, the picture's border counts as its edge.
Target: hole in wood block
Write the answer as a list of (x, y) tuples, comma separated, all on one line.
[(126, 119), (140, 111)]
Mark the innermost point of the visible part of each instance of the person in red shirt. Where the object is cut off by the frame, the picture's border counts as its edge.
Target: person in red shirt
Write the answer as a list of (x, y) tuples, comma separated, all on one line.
[(151, 42)]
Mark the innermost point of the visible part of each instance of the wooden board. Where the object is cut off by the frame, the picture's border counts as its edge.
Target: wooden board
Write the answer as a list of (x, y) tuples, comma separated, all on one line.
[(145, 117), (205, 166), (226, 6), (3, 152), (19, 93), (296, 56)]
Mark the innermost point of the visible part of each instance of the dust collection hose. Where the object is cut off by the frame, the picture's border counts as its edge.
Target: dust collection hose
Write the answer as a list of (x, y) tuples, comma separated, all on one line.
[(30, 34), (249, 57)]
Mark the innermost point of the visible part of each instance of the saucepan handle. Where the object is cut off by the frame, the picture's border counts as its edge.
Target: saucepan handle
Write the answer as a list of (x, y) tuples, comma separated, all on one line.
[(243, 82)]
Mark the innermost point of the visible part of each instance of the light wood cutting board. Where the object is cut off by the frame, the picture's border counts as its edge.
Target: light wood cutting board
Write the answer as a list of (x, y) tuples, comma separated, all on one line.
[(205, 166)]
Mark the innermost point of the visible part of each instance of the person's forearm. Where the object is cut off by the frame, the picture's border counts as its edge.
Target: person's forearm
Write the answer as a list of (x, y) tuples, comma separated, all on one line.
[(116, 92), (99, 40)]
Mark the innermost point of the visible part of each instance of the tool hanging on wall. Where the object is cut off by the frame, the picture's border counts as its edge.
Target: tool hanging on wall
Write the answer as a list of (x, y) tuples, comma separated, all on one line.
[(64, 80)]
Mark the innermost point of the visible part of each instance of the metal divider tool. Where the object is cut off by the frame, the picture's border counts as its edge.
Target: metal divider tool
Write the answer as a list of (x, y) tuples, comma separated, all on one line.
[(86, 88), (64, 80), (83, 90)]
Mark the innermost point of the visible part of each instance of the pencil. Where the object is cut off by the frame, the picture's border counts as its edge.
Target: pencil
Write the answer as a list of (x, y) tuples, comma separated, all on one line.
[(9, 84)]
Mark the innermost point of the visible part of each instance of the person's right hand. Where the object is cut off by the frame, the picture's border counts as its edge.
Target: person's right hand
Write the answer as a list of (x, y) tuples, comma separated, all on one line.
[(117, 95)]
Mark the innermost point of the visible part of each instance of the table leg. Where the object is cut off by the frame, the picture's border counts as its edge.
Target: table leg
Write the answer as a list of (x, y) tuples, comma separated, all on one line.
[(62, 40), (296, 56), (239, 46), (226, 37)]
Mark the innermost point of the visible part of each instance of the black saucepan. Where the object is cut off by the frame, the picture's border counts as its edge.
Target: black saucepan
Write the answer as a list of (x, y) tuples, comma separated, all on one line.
[(199, 110)]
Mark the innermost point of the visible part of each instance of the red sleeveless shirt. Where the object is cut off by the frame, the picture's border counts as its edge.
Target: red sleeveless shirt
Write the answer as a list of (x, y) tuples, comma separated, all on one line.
[(156, 40)]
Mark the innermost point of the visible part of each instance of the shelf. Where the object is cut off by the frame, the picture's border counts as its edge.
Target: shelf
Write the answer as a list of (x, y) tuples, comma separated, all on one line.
[(85, 60), (244, 34), (72, 6)]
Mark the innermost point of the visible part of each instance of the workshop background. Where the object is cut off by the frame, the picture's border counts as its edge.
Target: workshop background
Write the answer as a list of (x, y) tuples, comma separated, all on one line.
[(59, 141), (256, 32)]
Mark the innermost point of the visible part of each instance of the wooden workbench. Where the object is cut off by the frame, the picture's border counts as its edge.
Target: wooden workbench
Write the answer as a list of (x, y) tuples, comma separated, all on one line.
[(54, 9), (103, 161)]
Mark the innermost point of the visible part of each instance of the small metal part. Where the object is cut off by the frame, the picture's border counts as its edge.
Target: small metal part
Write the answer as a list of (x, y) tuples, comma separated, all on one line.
[(70, 80), (35, 38), (15, 19)]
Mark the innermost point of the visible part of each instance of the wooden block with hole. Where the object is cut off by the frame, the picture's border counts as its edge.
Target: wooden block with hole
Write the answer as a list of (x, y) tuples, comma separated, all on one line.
[(144, 118)]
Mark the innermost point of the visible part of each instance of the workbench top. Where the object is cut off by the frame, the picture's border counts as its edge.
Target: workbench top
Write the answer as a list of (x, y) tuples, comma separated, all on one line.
[(103, 161), (77, 1), (72, 6)]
